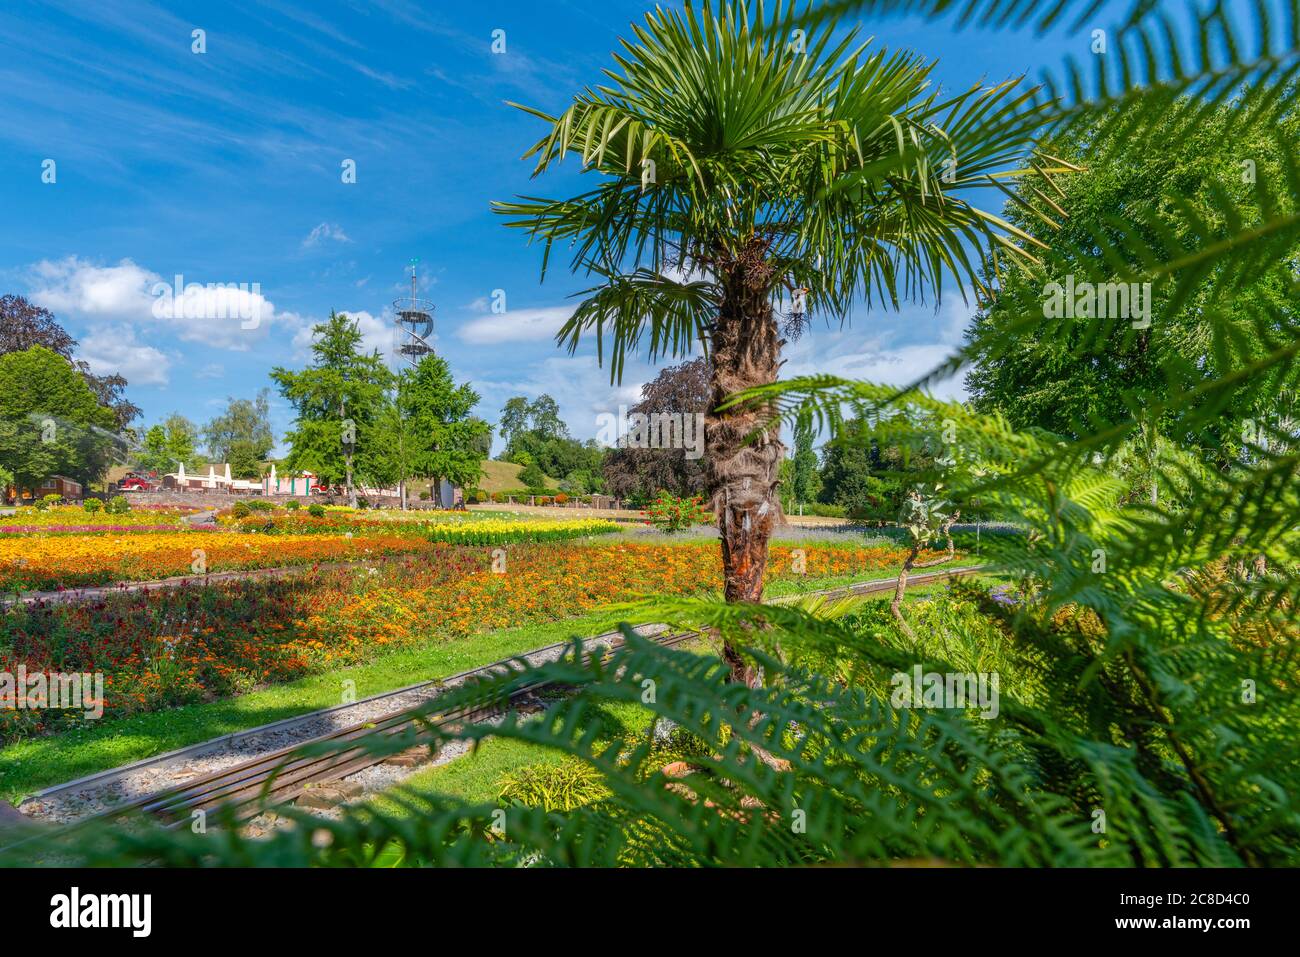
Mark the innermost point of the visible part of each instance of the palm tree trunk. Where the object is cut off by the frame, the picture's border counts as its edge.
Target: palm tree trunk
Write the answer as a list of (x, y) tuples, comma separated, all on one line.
[(742, 473)]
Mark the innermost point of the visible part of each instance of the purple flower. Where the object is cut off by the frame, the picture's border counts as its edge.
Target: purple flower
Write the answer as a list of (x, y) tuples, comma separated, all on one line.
[(1002, 595)]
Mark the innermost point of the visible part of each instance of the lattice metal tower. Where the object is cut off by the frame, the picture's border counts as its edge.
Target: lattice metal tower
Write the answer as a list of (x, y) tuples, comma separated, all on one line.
[(412, 323)]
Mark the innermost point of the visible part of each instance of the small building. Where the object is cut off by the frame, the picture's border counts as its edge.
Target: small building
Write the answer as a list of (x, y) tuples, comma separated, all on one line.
[(68, 489), (300, 484)]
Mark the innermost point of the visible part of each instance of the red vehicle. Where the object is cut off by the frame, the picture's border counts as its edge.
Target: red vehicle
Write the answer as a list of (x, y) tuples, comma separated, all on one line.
[(135, 483)]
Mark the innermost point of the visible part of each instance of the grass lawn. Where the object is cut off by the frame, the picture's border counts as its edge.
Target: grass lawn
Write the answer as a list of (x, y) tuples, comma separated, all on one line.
[(504, 476), (37, 763), (476, 777)]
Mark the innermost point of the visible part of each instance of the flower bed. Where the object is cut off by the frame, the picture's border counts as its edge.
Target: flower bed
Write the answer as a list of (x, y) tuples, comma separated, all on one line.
[(50, 562), (162, 648), (444, 526), (505, 531), (85, 529), (74, 519)]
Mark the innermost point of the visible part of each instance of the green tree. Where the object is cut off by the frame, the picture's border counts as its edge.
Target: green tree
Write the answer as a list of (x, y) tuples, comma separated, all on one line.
[(532, 476), (484, 441), (243, 429), (153, 456), (804, 480), (868, 480), (23, 325), (1072, 377), (167, 444), (245, 460), (182, 441), (734, 166), (544, 418), (429, 431), (337, 400), (539, 419), (51, 421), (514, 418)]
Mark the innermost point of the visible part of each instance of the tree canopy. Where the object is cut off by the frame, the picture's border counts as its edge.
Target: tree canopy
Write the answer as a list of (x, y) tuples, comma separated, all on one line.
[(242, 434), (337, 400), (427, 428), (1096, 372), (51, 422), (24, 324)]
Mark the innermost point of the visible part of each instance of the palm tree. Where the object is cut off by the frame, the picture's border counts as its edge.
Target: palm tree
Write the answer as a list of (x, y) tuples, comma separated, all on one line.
[(746, 165)]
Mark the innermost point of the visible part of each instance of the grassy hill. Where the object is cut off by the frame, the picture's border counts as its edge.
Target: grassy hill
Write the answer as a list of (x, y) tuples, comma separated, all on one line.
[(503, 476)]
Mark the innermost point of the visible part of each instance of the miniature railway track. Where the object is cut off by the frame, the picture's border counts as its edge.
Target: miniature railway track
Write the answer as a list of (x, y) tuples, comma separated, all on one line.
[(279, 776)]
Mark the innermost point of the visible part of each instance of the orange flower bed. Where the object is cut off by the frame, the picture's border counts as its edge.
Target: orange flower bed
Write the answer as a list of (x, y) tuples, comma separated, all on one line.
[(75, 561), (167, 647)]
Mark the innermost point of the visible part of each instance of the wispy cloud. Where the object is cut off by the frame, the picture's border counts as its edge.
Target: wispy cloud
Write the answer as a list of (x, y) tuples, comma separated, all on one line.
[(325, 232), (515, 325)]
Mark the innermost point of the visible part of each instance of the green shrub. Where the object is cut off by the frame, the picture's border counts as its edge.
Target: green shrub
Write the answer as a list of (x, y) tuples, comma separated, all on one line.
[(533, 476), (260, 505), (240, 510), (316, 510), (293, 505), (553, 787), (672, 514), (117, 505), (92, 505)]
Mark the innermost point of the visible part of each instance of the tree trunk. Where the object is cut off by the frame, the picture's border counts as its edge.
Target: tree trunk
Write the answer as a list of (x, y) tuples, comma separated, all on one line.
[(741, 474), (896, 606), (909, 564)]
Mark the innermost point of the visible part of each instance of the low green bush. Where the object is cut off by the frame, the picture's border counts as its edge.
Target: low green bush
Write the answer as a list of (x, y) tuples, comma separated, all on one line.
[(553, 787), (672, 514)]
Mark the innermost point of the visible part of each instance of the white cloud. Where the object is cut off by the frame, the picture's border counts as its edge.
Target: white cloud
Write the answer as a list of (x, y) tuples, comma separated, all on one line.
[(225, 314), (515, 325), (114, 349), (325, 231), (75, 286)]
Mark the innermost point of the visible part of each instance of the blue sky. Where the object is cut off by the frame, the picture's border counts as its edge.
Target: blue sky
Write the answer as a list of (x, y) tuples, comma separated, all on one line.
[(225, 167)]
